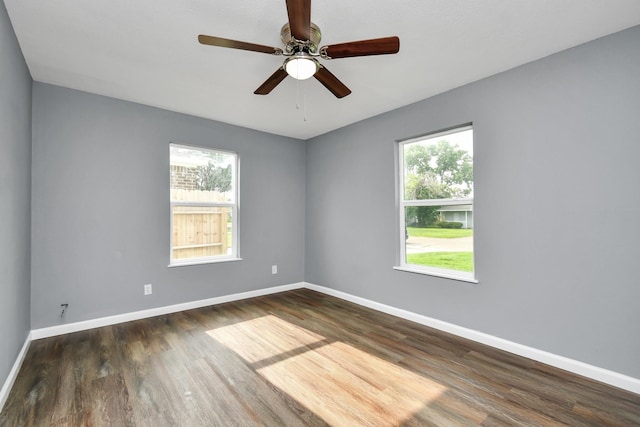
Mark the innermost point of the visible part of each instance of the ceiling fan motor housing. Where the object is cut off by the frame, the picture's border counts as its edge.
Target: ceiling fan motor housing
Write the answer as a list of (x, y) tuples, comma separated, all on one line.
[(292, 45)]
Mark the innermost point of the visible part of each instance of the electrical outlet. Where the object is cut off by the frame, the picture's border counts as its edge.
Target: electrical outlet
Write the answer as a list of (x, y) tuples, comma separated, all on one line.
[(274, 269), (148, 289)]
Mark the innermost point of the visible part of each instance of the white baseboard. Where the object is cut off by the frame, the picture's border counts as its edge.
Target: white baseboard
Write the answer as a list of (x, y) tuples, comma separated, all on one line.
[(599, 374), (6, 387), (159, 311)]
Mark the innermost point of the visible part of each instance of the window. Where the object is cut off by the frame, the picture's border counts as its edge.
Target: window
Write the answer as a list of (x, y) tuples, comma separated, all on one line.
[(204, 205), (436, 204)]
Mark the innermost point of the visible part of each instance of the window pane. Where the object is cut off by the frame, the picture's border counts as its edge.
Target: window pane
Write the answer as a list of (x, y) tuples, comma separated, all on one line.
[(201, 231), (202, 175), (439, 167), (445, 242)]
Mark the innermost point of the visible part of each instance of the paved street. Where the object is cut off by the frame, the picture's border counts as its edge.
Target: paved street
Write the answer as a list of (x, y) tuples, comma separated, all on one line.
[(429, 244)]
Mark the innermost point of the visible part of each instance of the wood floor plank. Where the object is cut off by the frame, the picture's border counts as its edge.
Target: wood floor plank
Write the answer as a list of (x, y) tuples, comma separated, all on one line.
[(111, 403), (297, 358)]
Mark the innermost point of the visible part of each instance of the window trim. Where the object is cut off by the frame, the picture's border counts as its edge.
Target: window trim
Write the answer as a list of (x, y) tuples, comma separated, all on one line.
[(402, 204), (235, 210)]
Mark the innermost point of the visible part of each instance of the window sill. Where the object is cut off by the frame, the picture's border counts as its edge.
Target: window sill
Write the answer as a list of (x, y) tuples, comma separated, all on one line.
[(444, 275), (200, 262)]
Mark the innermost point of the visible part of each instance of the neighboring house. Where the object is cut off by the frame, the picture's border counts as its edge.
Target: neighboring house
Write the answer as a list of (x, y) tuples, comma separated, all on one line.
[(458, 213)]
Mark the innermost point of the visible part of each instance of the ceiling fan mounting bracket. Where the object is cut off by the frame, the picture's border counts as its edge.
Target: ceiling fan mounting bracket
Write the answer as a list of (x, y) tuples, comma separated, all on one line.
[(323, 53)]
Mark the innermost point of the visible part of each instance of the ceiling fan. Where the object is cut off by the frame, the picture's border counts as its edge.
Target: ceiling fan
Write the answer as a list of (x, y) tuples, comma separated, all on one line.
[(301, 38)]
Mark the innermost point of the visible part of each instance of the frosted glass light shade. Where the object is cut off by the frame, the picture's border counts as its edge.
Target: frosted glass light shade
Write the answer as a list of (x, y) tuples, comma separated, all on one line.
[(301, 68)]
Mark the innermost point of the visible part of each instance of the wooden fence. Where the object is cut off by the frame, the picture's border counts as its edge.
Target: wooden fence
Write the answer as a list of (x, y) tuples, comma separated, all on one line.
[(199, 231)]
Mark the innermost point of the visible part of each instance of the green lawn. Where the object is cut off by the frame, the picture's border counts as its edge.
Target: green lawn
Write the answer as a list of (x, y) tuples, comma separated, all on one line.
[(461, 261), (440, 233)]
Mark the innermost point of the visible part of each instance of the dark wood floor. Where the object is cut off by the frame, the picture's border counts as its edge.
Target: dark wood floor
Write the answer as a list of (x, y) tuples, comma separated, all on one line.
[(295, 358)]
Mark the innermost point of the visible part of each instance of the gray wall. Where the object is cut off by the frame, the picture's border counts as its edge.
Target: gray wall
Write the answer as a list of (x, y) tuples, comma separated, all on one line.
[(15, 196), (557, 185), (100, 218)]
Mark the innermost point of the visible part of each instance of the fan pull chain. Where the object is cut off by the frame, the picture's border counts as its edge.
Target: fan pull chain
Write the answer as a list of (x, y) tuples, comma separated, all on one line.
[(304, 100)]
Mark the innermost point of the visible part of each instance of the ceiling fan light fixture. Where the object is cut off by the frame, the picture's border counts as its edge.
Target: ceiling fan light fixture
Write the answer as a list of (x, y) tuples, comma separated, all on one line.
[(301, 66)]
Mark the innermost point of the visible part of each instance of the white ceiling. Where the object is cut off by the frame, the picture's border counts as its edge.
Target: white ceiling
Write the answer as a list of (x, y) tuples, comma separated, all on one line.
[(146, 51)]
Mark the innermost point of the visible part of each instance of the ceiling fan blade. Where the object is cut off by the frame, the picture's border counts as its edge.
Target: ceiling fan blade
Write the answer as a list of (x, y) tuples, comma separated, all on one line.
[(331, 82), (299, 12), (382, 46), (273, 81), (235, 44)]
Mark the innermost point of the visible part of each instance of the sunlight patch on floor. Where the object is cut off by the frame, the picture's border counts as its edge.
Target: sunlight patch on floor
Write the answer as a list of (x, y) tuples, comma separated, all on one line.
[(340, 383), (263, 337)]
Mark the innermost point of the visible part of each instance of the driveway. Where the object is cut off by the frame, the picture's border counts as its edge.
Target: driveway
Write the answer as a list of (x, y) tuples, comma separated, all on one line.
[(429, 244)]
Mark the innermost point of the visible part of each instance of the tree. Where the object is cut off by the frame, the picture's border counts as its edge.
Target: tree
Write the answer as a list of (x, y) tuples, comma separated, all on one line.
[(436, 171), (214, 178), (420, 187)]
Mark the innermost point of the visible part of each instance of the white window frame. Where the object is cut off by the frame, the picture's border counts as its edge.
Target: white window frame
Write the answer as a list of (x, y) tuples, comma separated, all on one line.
[(403, 204), (234, 255)]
